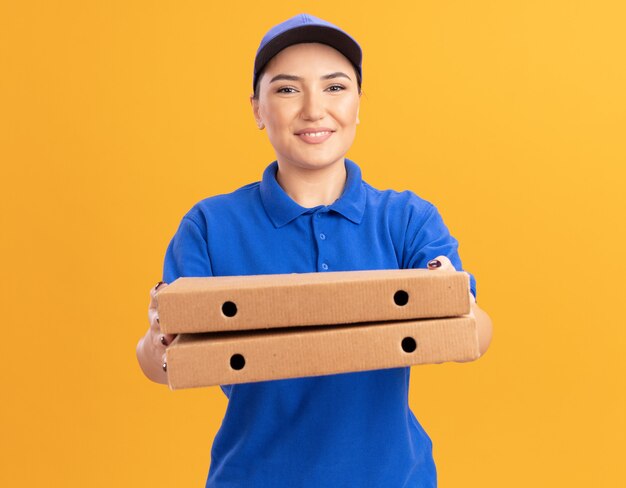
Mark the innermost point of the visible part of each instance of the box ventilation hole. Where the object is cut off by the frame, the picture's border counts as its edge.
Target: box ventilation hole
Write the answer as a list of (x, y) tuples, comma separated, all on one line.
[(409, 344), (401, 298), (229, 309), (237, 362)]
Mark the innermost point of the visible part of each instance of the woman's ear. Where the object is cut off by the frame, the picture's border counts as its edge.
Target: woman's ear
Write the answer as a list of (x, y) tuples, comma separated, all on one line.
[(256, 112), (357, 115)]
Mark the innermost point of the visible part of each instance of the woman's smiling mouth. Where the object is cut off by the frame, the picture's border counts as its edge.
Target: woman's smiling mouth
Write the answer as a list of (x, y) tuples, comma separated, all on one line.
[(314, 135)]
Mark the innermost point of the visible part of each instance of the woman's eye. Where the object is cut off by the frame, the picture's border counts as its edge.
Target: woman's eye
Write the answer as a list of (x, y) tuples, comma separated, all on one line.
[(286, 89), (336, 88)]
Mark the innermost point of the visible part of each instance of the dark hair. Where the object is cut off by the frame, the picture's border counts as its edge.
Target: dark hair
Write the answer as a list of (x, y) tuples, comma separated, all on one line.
[(255, 94)]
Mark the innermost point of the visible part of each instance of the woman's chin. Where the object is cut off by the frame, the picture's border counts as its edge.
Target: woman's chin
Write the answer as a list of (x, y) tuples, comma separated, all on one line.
[(314, 163)]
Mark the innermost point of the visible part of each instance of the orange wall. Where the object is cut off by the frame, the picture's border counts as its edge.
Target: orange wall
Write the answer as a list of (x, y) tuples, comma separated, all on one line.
[(118, 116)]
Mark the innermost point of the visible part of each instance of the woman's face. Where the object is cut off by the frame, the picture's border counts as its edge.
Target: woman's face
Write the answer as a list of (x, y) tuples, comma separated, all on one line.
[(309, 103)]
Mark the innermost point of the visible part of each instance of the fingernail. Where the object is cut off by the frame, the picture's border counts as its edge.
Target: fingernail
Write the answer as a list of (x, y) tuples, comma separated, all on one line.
[(156, 287), (165, 367), (434, 263), (163, 341)]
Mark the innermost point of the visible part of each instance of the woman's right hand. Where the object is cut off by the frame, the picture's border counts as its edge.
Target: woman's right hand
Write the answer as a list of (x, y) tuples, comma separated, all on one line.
[(151, 347)]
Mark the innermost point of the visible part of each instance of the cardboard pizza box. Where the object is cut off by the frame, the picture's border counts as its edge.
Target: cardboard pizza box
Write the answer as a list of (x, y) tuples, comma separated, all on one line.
[(195, 360), (235, 303)]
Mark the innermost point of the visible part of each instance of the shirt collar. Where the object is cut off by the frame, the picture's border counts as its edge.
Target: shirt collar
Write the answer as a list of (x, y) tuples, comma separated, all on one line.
[(282, 209)]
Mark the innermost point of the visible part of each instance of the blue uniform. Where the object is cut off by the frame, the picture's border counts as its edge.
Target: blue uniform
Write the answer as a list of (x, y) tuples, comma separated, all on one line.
[(343, 430)]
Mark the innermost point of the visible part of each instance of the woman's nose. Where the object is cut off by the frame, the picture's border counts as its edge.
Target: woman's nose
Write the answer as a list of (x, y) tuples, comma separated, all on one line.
[(312, 106)]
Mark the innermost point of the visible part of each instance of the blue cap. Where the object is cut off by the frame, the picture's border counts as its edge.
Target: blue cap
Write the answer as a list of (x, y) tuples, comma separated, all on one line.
[(305, 28)]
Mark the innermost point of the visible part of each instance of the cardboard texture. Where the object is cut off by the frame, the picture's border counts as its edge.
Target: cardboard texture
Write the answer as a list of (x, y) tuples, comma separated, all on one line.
[(195, 360), (231, 303)]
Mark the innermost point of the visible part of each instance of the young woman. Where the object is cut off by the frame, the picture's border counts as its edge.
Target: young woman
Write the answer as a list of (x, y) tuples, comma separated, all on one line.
[(311, 212)]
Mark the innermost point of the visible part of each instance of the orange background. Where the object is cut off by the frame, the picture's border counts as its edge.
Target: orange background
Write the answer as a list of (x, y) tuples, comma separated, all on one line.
[(116, 117)]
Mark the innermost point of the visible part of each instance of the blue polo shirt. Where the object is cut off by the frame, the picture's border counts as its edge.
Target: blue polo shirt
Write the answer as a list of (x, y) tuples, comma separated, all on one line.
[(334, 431)]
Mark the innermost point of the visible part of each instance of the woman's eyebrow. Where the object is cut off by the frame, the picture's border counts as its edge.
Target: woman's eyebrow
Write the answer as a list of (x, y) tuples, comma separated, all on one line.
[(330, 76), (285, 77), (336, 74)]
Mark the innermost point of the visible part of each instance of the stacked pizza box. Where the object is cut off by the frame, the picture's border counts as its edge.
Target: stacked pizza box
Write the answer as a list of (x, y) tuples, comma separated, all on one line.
[(240, 329)]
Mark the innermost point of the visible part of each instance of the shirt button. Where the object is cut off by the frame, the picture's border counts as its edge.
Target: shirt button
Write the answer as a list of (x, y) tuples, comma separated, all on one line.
[(324, 266), (322, 236)]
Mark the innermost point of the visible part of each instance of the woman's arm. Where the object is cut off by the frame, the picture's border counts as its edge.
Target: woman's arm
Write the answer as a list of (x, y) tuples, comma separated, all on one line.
[(186, 255)]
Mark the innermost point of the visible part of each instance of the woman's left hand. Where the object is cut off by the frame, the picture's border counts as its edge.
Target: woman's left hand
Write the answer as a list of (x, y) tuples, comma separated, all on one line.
[(484, 326)]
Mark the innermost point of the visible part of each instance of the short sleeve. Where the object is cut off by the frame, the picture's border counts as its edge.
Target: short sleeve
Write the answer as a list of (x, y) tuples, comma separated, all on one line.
[(187, 254), (428, 237)]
